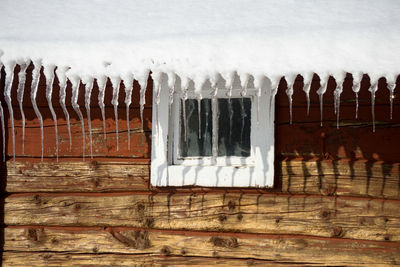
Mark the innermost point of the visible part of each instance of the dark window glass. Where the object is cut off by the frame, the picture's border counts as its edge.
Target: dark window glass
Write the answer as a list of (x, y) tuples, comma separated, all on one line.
[(234, 124)]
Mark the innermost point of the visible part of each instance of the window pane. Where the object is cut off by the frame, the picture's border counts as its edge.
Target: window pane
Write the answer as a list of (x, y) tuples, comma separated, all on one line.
[(195, 143), (234, 125)]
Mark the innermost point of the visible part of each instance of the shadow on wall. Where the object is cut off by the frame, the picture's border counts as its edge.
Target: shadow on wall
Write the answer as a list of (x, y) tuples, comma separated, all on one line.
[(333, 160)]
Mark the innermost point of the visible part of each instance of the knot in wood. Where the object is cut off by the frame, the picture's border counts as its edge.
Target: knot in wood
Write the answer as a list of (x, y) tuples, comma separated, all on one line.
[(226, 242)]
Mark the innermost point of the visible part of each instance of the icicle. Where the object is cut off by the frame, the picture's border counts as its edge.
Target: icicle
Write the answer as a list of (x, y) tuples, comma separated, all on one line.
[(243, 117), (9, 68), (62, 82), (143, 85), (34, 89), (157, 76), (339, 78), (289, 92), (88, 93), (229, 78), (171, 87), (116, 81), (198, 86), (275, 80), (74, 100), (391, 85), (128, 83), (199, 114), (20, 97), (3, 129), (49, 74), (214, 107), (307, 80), (321, 91), (102, 83), (206, 123), (357, 77), (244, 82), (184, 96), (373, 89), (258, 83)]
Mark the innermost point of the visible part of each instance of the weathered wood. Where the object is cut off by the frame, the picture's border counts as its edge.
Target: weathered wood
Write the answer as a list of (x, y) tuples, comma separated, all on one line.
[(78, 176), (275, 248), (313, 176), (344, 177), (140, 139), (324, 216), (16, 259)]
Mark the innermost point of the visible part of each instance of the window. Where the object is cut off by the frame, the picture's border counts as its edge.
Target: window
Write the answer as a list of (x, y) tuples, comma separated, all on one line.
[(213, 141)]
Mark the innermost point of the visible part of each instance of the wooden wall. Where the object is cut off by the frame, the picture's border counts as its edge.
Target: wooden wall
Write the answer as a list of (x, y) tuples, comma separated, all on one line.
[(336, 199)]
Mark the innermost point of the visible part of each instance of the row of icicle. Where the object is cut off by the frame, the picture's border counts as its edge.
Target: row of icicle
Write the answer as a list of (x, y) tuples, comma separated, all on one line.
[(244, 79)]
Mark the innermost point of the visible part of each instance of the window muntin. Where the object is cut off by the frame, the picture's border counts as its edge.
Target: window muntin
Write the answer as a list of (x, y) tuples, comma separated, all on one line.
[(220, 123)]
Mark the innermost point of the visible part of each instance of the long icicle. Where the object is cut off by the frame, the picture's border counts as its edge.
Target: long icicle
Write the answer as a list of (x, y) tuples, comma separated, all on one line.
[(142, 80), (391, 85), (184, 96), (49, 74), (275, 81), (307, 80), (128, 85), (3, 129), (289, 92), (373, 89), (337, 93), (88, 94), (116, 81), (62, 83), (102, 83), (258, 84), (34, 89), (9, 68), (357, 77), (157, 76), (20, 97), (321, 91), (74, 100)]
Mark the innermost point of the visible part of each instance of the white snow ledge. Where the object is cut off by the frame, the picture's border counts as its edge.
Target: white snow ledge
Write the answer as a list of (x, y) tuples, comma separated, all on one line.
[(197, 38)]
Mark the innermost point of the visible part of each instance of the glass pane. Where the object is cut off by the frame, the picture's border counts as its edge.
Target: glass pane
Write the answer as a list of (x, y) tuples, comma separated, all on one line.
[(234, 125), (195, 143)]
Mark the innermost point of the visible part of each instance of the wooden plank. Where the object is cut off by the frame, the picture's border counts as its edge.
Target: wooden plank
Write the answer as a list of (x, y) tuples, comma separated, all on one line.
[(275, 248), (324, 216), (313, 176), (16, 259), (77, 176), (344, 177)]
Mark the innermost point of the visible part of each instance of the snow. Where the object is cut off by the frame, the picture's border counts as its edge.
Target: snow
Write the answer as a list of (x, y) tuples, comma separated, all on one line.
[(202, 37), (198, 42)]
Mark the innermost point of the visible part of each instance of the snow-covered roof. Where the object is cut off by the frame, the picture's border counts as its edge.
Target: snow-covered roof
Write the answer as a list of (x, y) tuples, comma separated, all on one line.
[(198, 38)]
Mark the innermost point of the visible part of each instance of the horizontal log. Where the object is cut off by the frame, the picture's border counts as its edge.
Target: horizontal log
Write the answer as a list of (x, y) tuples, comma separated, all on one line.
[(16, 259), (313, 176), (324, 216), (343, 178), (77, 176), (275, 248)]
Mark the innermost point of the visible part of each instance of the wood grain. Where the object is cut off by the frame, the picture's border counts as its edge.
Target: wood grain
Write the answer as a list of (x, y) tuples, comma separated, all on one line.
[(274, 248), (324, 216), (297, 176), (15, 259)]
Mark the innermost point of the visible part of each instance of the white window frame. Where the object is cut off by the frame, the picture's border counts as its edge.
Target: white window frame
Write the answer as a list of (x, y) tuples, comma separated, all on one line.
[(257, 170)]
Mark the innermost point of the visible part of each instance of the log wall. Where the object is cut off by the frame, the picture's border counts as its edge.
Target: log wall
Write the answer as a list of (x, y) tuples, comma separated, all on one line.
[(336, 199)]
